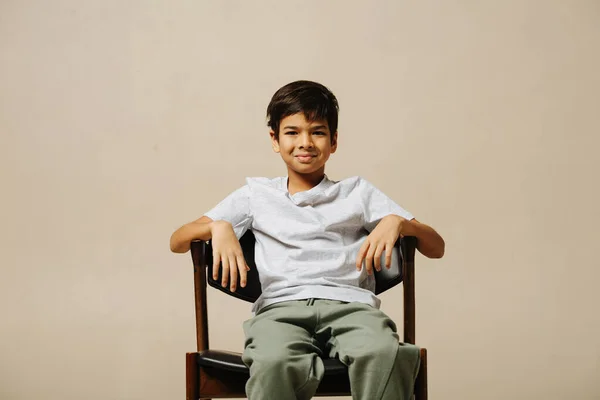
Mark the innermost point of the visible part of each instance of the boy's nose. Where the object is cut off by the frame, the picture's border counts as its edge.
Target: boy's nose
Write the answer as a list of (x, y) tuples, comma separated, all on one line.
[(306, 141)]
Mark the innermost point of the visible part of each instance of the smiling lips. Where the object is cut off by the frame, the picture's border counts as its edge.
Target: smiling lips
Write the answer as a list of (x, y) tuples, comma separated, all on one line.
[(305, 157)]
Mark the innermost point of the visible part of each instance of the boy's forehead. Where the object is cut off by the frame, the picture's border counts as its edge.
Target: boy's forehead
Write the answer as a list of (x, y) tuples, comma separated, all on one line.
[(300, 119)]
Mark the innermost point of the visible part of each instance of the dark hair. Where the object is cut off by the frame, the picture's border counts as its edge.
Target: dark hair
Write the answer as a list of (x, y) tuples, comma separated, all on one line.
[(313, 99)]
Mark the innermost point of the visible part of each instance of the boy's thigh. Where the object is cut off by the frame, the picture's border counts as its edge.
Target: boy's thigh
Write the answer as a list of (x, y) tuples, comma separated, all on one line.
[(356, 329), (281, 331)]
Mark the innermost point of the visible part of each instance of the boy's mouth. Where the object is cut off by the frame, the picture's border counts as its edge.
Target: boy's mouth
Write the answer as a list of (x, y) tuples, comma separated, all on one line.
[(305, 157)]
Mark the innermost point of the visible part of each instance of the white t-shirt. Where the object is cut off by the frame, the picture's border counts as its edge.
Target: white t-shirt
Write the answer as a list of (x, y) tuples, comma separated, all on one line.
[(307, 243)]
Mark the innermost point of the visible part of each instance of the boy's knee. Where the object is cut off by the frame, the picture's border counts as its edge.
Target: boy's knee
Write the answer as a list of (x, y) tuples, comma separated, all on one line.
[(376, 351), (382, 347), (276, 364), (299, 374), (270, 363)]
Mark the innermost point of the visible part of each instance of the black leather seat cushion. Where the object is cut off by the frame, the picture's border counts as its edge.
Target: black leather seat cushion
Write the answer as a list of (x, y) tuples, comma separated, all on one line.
[(230, 361)]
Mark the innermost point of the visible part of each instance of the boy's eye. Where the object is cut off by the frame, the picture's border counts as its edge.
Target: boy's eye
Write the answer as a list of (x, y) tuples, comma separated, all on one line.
[(290, 133), (319, 133)]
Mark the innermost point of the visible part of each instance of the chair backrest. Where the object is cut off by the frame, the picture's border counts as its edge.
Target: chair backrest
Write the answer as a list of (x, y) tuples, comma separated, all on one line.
[(202, 259), (384, 279)]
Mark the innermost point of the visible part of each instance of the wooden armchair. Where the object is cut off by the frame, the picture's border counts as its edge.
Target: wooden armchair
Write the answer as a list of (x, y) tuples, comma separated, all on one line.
[(222, 374)]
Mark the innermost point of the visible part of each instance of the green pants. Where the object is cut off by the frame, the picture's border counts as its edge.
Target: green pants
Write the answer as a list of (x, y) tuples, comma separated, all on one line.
[(286, 341)]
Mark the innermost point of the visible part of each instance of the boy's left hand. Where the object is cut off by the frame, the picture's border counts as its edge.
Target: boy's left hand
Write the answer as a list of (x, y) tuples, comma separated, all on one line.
[(382, 238)]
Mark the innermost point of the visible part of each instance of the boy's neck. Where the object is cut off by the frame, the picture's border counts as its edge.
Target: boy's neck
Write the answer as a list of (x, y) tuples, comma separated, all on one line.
[(303, 182)]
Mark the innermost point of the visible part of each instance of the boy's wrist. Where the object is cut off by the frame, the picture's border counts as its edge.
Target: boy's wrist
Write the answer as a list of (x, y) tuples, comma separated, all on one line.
[(404, 225), (408, 228), (219, 223)]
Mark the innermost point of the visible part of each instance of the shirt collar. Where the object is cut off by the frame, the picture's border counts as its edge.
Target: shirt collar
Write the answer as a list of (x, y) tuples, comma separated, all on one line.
[(306, 197)]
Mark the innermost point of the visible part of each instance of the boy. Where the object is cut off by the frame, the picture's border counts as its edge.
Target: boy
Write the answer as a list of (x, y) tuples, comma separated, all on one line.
[(317, 242)]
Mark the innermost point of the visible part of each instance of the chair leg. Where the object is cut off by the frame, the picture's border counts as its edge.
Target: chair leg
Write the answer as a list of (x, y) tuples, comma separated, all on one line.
[(192, 384), (421, 381)]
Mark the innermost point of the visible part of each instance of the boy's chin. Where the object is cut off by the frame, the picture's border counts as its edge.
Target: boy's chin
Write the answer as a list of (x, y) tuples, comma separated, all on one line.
[(308, 170)]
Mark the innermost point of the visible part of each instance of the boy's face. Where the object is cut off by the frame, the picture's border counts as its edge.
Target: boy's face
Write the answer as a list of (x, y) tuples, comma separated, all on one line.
[(305, 146)]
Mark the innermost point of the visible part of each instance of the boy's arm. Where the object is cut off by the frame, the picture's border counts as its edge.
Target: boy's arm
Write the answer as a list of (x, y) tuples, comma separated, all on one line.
[(226, 248), (387, 232), (387, 221), (234, 211), (181, 239), (429, 242)]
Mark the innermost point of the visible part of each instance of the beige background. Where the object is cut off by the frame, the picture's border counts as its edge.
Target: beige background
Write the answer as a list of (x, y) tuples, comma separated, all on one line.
[(121, 121)]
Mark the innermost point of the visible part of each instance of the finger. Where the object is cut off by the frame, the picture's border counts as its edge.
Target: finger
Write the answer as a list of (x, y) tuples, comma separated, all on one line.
[(233, 272), (243, 268), (377, 256), (369, 260), (216, 264), (361, 255), (225, 272), (388, 255)]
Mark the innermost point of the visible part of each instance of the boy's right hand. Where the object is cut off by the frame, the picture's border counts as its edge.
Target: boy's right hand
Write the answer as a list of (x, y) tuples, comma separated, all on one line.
[(227, 251)]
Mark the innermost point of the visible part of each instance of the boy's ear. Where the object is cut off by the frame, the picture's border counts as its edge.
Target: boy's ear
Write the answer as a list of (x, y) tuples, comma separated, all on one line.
[(334, 142), (274, 141)]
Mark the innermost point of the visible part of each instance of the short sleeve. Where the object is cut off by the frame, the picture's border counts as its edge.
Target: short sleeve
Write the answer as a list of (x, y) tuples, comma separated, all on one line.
[(235, 209), (377, 205)]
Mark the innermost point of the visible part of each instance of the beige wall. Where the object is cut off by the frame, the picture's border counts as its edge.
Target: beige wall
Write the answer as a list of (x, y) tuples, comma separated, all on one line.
[(122, 120)]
